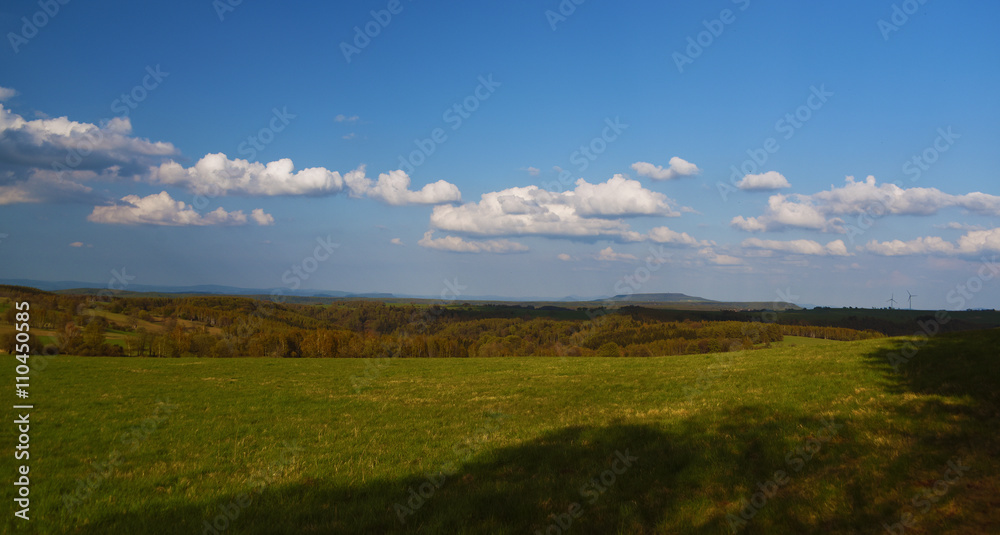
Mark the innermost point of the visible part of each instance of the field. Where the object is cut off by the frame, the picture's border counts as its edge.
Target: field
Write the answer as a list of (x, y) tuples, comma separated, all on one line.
[(684, 444)]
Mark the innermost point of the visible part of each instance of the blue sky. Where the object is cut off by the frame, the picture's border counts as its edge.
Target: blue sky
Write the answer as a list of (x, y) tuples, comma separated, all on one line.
[(591, 151)]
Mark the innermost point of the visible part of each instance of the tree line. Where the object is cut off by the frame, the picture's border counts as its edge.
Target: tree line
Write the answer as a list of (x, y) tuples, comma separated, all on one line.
[(229, 326)]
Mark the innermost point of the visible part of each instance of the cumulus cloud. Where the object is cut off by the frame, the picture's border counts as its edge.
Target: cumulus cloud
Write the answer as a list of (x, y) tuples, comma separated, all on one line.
[(564, 257), (62, 144), (7, 93), (712, 257), (76, 244), (678, 167), (394, 188), (802, 247), (665, 235), (749, 224), (346, 119), (618, 196), (589, 210), (162, 209), (837, 248), (50, 186), (262, 219), (51, 159), (781, 213), (770, 180), (396, 241), (974, 242), (458, 245), (533, 171), (216, 174), (823, 210), (609, 255), (857, 197)]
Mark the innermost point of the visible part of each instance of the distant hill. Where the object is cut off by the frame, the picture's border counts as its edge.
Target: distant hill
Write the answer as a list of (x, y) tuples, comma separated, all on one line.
[(49, 286), (211, 289), (662, 298), (688, 302), (657, 300)]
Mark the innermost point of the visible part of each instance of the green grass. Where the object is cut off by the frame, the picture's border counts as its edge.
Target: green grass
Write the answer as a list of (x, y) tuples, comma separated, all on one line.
[(800, 341), (523, 435)]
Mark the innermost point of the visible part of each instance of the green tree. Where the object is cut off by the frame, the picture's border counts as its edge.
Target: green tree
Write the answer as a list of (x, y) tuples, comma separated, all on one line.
[(93, 338), (609, 349)]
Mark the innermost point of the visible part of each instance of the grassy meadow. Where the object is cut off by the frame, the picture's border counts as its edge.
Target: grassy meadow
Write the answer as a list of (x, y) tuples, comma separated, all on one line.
[(678, 444)]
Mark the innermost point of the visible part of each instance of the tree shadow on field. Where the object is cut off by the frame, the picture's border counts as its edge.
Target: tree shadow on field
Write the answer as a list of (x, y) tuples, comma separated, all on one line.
[(950, 409), (957, 365), (684, 476)]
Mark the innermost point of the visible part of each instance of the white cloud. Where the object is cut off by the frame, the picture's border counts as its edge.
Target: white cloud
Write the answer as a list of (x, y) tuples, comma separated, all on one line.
[(533, 171), (262, 219), (678, 167), (770, 180), (394, 188), (837, 248), (718, 259), (49, 186), (822, 211), (609, 255), (974, 242), (781, 213), (665, 235), (929, 245), (459, 245), (48, 160), (855, 197), (803, 247), (959, 226), (161, 209), (216, 174), (397, 241), (979, 241), (749, 224), (63, 144), (7, 93), (345, 119), (586, 211), (76, 244), (618, 196), (350, 136), (564, 257)]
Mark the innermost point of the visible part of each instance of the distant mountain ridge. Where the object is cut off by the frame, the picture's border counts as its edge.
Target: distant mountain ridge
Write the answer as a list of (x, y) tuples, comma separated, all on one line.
[(216, 289), (662, 298), (679, 300), (652, 299)]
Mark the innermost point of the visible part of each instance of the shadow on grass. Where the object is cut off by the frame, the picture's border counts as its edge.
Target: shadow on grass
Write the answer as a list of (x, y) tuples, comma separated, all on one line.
[(687, 475), (960, 365), (950, 409)]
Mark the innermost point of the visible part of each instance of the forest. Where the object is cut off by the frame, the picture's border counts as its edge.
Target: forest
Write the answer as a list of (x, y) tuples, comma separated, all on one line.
[(226, 326)]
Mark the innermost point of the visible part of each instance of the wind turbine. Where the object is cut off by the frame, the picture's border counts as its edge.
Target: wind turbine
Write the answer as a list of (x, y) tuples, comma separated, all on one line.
[(892, 301), (910, 298)]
